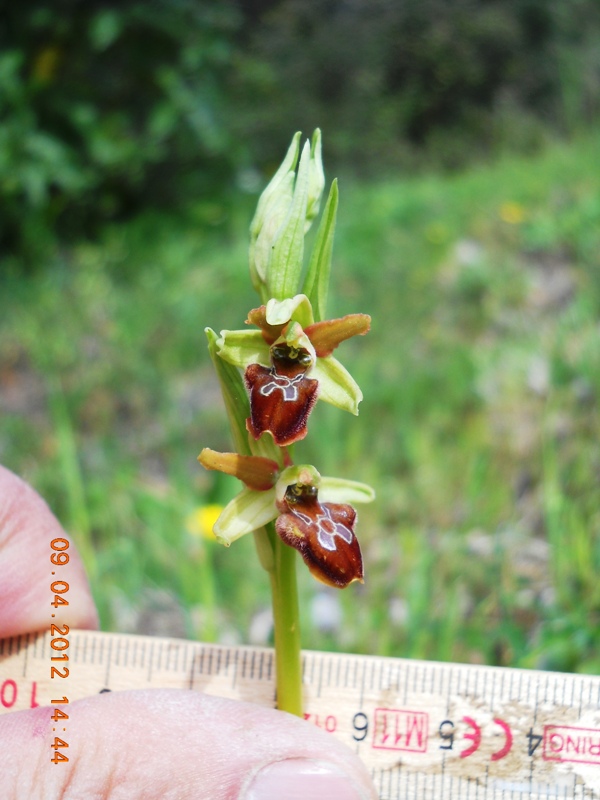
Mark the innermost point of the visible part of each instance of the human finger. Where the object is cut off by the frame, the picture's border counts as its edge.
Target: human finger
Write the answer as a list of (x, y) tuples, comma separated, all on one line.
[(27, 529), (175, 745)]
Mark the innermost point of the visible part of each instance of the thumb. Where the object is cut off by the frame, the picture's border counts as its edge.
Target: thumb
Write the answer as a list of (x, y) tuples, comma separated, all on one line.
[(27, 528), (162, 744)]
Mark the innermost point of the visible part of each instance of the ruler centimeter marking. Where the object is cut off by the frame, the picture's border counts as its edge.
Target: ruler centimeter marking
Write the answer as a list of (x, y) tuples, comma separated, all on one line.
[(425, 730)]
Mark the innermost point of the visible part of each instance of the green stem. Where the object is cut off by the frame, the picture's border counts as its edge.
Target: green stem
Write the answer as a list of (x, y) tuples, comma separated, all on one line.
[(207, 588), (288, 663)]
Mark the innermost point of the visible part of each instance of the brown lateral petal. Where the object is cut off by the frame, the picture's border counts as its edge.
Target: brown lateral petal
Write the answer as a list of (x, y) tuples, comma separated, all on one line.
[(323, 534), (255, 471), (258, 317), (326, 335), (280, 402)]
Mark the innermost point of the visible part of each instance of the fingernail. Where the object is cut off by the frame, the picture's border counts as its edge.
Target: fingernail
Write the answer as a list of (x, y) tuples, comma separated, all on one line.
[(301, 778)]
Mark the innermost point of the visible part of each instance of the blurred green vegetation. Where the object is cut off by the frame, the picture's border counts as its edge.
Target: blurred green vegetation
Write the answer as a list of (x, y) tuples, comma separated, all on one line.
[(106, 108), (110, 108), (479, 427)]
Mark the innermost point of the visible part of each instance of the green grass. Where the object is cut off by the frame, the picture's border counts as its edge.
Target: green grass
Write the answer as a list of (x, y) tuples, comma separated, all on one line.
[(479, 427)]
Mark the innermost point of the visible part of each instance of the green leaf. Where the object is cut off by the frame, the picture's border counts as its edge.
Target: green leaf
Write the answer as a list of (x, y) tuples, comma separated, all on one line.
[(234, 394), (339, 490), (336, 385), (105, 28), (248, 511), (316, 284), (285, 267)]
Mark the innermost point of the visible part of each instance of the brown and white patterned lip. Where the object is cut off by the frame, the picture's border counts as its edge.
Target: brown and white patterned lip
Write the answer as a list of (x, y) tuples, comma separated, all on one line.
[(281, 397), (323, 534)]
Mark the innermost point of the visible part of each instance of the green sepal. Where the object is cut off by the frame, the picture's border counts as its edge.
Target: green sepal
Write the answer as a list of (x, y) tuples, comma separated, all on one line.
[(339, 490), (242, 348), (234, 394), (247, 512), (336, 385), (316, 283), (285, 265)]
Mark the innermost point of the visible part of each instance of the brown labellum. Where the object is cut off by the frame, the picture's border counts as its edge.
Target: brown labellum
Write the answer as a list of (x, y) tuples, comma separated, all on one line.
[(323, 534), (281, 397)]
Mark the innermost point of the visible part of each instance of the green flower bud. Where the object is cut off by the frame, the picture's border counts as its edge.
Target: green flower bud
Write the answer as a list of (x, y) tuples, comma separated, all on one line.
[(272, 209), (316, 179), (285, 265), (284, 214)]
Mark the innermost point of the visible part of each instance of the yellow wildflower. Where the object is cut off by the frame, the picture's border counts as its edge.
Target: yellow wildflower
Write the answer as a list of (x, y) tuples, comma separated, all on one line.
[(202, 519), (512, 213)]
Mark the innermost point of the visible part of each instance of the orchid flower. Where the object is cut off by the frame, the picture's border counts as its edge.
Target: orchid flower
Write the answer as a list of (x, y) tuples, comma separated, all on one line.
[(311, 512), (288, 363)]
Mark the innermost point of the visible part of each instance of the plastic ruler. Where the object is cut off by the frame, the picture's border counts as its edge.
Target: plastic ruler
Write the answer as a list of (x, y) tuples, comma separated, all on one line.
[(425, 730)]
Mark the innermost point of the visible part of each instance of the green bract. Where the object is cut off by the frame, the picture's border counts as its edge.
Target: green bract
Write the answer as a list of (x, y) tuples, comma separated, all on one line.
[(316, 180), (316, 283)]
